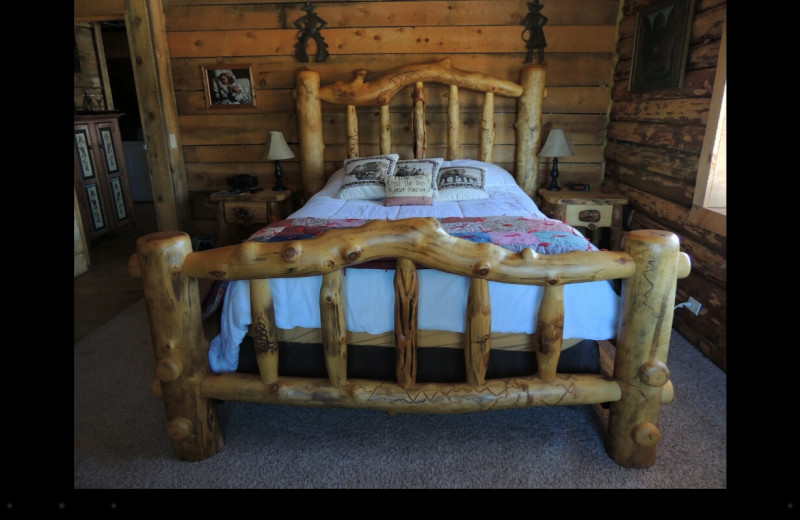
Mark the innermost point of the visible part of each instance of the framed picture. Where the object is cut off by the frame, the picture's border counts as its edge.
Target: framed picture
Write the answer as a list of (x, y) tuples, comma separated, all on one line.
[(229, 86), (119, 200), (108, 149), (84, 157), (660, 45), (94, 207)]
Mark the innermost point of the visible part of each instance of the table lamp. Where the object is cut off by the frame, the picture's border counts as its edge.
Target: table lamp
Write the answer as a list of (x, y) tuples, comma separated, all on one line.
[(556, 146), (278, 150)]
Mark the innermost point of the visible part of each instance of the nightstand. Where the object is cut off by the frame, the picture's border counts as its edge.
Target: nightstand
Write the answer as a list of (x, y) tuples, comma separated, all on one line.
[(593, 210), (250, 208)]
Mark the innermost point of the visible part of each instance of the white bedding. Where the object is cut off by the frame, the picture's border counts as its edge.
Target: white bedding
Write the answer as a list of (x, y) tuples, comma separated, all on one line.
[(590, 309)]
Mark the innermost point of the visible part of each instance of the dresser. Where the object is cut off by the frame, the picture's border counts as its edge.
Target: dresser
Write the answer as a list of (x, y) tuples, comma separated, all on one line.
[(101, 177)]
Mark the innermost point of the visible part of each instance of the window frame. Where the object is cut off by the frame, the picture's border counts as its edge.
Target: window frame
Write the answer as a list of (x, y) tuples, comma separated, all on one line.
[(716, 130)]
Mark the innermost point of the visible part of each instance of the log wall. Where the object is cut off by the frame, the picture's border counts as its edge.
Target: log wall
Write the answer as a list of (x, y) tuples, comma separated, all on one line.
[(653, 147), (378, 36)]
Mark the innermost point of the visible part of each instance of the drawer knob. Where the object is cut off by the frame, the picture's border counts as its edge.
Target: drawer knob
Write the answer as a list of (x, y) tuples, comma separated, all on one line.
[(243, 215), (589, 215)]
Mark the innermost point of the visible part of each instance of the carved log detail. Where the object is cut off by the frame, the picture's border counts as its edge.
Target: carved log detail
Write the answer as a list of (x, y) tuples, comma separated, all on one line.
[(406, 300), (549, 331), (385, 131), (453, 125), (641, 350), (381, 90), (418, 121), (265, 331), (334, 333), (487, 128), (173, 305), (479, 331), (529, 130), (352, 132)]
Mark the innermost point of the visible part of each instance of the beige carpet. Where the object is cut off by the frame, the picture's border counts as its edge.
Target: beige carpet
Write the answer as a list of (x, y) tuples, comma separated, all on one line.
[(120, 440)]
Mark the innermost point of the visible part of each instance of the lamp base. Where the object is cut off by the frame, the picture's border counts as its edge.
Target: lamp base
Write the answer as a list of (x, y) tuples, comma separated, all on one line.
[(278, 178), (554, 177)]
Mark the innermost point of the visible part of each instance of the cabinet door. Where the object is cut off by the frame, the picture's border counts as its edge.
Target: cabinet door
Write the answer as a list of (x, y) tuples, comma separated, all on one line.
[(112, 155), (89, 182)]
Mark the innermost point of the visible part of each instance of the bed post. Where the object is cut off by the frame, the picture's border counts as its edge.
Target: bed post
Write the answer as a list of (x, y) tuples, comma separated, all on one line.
[(181, 349), (529, 129), (309, 120), (643, 335)]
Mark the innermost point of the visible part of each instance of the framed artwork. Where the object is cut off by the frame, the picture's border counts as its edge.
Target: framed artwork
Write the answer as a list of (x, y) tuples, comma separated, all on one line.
[(108, 149), (660, 45), (84, 157), (119, 200), (94, 207), (229, 86)]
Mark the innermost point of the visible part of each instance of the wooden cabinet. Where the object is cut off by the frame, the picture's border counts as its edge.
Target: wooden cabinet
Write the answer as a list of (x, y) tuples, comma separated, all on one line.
[(101, 176)]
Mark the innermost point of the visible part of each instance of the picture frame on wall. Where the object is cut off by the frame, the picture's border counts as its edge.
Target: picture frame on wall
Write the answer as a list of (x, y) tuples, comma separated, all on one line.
[(229, 86), (660, 45)]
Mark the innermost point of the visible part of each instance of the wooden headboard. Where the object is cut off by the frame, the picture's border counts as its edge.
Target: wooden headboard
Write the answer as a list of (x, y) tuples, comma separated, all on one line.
[(379, 92)]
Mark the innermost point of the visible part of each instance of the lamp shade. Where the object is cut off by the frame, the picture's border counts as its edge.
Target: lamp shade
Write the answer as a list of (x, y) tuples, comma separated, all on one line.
[(556, 145), (277, 149)]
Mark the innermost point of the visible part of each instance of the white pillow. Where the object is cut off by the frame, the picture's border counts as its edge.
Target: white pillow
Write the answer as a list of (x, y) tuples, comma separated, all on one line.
[(409, 167), (495, 175), (365, 177), (462, 183)]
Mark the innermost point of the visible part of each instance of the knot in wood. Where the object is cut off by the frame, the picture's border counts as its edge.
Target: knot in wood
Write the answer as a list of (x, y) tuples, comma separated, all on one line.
[(646, 435), (482, 270), (169, 369), (290, 253), (351, 255), (552, 281), (179, 429), (654, 373)]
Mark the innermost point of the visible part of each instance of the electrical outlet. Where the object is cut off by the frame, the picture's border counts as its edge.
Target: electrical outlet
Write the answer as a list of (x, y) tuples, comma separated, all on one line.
[(694, 306)]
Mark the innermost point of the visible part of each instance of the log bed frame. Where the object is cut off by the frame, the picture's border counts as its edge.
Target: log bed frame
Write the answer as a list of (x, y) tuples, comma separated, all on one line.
[(648, 265)]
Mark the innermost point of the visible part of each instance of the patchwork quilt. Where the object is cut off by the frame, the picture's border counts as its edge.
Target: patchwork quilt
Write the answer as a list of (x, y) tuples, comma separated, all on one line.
[(545, 236)]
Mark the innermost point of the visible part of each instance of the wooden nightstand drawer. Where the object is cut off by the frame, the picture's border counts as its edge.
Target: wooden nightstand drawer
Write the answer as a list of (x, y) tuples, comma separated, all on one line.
[(248, 211), (589, 215)]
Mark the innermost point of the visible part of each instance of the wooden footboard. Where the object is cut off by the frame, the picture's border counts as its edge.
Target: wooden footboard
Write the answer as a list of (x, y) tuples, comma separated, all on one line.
[(648, 266)]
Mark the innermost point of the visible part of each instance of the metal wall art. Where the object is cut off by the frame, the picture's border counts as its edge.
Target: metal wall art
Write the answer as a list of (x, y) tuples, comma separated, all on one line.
[(534, 25), (310, 25)]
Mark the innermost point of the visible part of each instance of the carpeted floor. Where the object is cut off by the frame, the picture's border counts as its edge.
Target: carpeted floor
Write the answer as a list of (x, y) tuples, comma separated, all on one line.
[(120, 440)]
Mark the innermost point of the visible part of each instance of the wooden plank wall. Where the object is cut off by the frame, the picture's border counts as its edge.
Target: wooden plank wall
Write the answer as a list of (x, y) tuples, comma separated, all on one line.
[(654, 142), (377, 36)]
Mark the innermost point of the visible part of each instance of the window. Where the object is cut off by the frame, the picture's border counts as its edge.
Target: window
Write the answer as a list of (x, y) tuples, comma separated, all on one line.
[(710, 195)]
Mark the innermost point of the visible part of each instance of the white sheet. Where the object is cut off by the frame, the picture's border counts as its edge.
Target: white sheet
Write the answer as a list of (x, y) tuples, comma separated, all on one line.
[(591, 309)]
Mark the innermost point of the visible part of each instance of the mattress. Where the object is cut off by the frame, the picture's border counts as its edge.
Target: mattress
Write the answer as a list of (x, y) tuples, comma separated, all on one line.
[(590, 309)]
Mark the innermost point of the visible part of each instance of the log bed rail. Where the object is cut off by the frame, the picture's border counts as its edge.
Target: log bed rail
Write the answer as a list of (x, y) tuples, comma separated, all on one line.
[(649, 266)]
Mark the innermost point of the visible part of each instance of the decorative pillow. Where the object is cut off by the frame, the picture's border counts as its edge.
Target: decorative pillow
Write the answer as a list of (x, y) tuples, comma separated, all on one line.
[(406, 190), (417, 166), (365, 177), (462, 183)]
